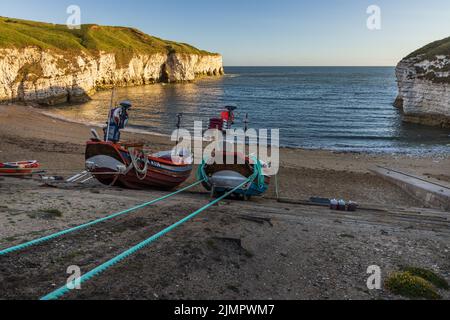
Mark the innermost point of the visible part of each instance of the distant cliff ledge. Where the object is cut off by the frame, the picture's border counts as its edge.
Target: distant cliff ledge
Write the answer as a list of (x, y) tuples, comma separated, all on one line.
[(424, 85), (51, 64)]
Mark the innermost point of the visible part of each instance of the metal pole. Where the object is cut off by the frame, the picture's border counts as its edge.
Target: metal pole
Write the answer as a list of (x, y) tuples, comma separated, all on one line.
[(246, 122), (109, 114), (276, 187), (179, 116)]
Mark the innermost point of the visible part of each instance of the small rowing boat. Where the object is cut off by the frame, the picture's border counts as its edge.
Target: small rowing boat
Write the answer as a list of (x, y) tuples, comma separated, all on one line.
[(20, 169), (231, 171)]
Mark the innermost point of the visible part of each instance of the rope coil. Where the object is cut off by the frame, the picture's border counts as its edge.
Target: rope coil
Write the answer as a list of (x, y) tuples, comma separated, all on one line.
[(141, 174)]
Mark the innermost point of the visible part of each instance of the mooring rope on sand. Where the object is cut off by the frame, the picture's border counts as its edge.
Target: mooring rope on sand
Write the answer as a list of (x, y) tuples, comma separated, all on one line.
[(92, 223), (103, 267)]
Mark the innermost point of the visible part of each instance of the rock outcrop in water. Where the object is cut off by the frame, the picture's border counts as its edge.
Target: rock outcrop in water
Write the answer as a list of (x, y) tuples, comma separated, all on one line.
[(74, 64), (424, 85)]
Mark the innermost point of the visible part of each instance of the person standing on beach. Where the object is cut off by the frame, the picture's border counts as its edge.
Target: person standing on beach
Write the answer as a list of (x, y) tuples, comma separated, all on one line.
[(117, 121)]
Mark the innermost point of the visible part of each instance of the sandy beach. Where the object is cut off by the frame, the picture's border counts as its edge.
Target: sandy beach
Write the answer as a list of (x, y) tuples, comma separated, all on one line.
[(261, 249)]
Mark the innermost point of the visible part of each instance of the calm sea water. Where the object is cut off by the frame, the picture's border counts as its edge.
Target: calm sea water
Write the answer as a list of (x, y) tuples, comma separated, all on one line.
[(348, 109)]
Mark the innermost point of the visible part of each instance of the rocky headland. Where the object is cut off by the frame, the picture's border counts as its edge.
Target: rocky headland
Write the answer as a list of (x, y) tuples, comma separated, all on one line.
[(51, 64), (424, 85)]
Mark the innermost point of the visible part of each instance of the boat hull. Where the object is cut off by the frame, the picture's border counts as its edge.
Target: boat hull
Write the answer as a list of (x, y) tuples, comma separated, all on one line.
[(19, 169), (227, 176), (111, 164)]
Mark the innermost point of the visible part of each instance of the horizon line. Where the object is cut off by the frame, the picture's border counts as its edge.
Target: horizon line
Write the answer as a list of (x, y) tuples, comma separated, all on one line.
[(300, 66)]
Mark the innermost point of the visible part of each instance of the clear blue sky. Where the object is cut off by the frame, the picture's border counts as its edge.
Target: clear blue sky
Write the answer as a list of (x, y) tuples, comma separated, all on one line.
[(267, 32)]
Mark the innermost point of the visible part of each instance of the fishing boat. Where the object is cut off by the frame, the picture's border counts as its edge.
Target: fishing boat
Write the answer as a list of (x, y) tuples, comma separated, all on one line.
[(233, 170), (19, 169), (127, 165)]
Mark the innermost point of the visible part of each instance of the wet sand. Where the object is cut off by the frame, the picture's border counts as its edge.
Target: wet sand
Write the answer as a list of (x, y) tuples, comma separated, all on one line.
[(303, 252)]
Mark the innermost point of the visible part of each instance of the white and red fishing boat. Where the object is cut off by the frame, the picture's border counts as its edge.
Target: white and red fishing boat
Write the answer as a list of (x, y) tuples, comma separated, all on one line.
[(128, 166), (21, 168)]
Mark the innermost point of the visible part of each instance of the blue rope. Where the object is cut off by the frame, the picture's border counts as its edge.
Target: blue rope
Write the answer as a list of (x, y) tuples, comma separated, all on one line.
[(63, 290), (89, 224)]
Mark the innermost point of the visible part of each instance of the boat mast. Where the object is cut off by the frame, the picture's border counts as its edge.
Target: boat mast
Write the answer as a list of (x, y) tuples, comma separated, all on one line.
[(246, 122), (179, 117), (109, 114)]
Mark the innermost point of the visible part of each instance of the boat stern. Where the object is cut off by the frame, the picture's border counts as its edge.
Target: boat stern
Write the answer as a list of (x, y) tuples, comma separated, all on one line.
[(104, 158)]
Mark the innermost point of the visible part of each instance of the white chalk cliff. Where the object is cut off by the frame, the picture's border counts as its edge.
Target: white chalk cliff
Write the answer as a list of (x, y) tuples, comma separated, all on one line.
[(424, 86), (35, 75)]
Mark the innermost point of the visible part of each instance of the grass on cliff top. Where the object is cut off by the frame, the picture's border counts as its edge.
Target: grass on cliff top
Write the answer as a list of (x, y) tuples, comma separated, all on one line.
[(15, 33), (441, 47)]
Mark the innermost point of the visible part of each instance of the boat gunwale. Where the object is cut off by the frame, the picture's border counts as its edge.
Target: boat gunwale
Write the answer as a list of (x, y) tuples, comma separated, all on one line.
[(120, 149)]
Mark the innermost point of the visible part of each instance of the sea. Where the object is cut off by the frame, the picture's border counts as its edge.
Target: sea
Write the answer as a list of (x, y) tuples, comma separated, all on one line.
[(348, 109)]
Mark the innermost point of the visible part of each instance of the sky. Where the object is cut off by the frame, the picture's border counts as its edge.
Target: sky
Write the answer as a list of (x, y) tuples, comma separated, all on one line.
[(267, 32)]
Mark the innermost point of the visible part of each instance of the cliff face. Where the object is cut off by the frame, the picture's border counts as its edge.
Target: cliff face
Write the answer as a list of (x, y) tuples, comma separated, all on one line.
[(424, 85), (51, 63), (36, 75)]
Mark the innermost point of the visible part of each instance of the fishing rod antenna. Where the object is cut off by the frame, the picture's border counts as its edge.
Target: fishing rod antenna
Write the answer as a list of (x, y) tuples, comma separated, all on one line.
[(109, 114), (179, 119), (246, 122)]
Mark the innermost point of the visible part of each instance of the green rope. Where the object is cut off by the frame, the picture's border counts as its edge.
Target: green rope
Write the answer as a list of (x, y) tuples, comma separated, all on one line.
[(89, 224), (65, 289), (201, 174), (257, 172), (257, 167)]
